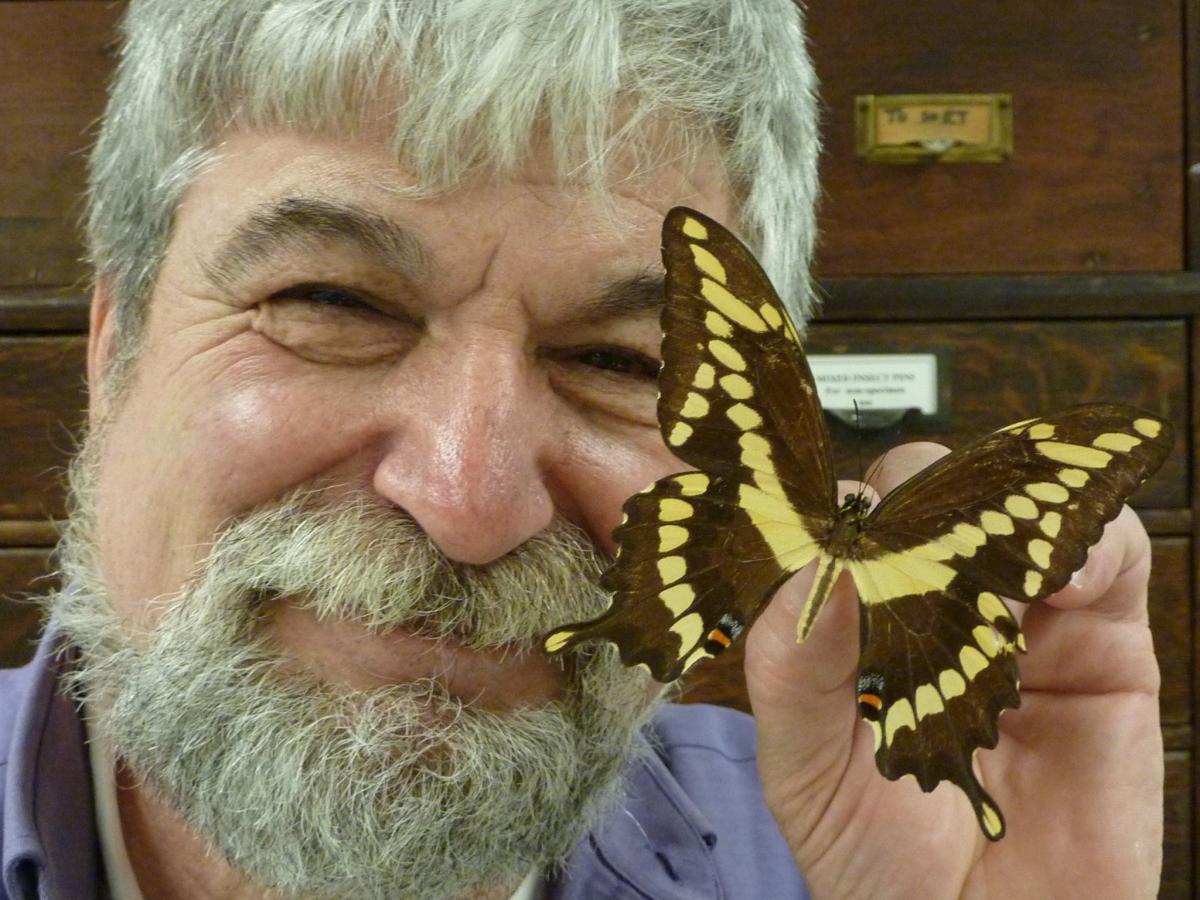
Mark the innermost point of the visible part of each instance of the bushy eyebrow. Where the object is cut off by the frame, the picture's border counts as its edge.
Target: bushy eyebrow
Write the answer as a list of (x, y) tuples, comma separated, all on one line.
[(304, 223), (637, 296), (298, 224)]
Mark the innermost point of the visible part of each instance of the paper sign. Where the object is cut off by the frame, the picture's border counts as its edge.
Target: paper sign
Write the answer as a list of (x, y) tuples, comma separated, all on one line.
[(877, 380)]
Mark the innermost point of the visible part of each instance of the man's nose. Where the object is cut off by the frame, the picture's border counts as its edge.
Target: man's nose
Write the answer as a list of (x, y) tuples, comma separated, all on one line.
[(468, 429)]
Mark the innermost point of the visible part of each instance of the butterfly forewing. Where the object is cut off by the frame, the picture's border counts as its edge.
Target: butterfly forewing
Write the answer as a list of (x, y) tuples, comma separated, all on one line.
[(735, 393), (1019, 508)]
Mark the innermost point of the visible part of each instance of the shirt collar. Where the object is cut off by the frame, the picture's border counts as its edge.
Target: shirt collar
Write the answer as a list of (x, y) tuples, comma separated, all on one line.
[(656, 842), (49, 837)]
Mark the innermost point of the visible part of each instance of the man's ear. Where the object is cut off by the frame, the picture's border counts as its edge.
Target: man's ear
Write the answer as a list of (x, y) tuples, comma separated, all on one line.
[(101, 349)]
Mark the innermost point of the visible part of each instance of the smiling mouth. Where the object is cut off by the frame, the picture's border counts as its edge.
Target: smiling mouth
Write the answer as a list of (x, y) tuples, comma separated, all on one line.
[(348, 653)]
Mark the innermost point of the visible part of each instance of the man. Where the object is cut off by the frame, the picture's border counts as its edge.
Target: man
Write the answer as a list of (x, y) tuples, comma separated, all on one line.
[(372, 367)]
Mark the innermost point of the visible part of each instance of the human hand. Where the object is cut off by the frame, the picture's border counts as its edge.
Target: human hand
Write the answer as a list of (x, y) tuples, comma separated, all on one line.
[(1078, 770)]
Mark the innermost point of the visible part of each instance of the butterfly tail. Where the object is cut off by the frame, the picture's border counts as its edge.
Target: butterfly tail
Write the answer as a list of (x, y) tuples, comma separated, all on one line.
[(991, 820)]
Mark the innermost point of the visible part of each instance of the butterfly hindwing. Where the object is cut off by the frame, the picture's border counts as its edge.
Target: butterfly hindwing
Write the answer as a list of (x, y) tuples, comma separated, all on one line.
[(935, 672), (1012, 514), (690, 575)]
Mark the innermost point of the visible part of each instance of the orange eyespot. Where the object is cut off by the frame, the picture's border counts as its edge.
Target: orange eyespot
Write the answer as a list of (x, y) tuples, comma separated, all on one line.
[(720, 637), (871, 700)]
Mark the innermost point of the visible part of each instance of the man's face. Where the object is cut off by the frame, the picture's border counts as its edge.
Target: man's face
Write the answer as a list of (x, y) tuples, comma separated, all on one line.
[(482, 362), (372, 448)]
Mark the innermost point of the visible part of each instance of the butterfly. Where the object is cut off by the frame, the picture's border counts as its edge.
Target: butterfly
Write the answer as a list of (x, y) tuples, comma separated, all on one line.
[(700, 553)]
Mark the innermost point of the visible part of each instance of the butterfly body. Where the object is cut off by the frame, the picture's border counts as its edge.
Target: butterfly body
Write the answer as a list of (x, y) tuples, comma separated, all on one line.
[(701, 553)]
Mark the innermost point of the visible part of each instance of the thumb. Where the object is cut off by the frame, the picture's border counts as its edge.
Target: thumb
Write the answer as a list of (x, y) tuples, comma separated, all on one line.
[(802, 694)]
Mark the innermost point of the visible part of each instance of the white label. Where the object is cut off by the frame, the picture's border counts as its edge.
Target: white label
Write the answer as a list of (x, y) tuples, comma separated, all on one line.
[(876, 380)]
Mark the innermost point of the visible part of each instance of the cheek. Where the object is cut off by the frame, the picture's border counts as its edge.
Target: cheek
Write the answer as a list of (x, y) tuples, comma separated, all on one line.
[(181, 459), (256, 438), (604, 472), (247, 442)]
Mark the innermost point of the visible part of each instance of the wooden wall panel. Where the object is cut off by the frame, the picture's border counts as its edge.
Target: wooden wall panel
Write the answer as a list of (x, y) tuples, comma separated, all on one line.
[(1095, 182), (1177, 830), (23, 572), (1171, 623), (55, 59), (41, 410)]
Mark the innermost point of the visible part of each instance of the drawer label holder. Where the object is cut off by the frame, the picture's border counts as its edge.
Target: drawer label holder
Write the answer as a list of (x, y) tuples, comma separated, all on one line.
[(924, 128)]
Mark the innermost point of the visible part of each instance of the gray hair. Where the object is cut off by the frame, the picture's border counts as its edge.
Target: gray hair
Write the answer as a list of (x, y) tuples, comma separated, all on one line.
[(473, 80)]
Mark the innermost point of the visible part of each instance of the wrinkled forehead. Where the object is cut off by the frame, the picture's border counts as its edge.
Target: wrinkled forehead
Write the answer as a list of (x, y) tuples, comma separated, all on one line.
[(268, 192), (655, 166)]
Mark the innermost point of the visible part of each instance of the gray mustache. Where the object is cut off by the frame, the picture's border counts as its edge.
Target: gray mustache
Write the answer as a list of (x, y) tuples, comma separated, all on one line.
[(363, 562)]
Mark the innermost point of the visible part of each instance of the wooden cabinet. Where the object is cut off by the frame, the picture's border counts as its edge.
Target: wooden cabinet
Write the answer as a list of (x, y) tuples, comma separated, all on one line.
[(24, 574), (1095, 182), (41, 410), (1063, 274), (55, 59)]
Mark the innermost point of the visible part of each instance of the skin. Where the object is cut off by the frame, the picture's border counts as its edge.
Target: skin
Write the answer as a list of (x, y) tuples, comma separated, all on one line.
[(474, 383), (468, 385), (1078, 770)]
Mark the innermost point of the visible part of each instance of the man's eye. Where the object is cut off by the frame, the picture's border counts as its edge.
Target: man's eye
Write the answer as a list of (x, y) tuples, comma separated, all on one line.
[(330, 324), (324, 295), (620, 362)]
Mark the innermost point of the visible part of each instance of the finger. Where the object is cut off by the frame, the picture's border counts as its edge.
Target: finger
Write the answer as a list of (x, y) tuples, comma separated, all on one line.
[(901, 463), (1094, 635), (1112, 581), (803, 693), (787, 671)]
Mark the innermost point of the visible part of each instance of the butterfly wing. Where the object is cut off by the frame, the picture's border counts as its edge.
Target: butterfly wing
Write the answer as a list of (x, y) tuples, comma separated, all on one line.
[(689, 574), (1011, 515), (700, 553), (734, 378)]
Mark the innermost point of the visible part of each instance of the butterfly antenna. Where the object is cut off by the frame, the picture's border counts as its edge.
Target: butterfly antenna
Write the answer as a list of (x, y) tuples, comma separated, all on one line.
[(865, 474), (875, 467)]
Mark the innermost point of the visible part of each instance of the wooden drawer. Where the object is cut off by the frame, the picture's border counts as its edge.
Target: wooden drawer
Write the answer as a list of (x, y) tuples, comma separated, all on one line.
[(1096, 178), (41, 408), (1171, 623), (992, 373), (55, 59)]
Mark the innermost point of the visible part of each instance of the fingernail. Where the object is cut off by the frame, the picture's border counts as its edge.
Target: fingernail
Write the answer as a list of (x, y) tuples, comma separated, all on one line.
[(1079, 578)]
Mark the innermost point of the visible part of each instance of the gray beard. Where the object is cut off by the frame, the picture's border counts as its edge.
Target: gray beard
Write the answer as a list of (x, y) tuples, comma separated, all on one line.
[(308, 788)]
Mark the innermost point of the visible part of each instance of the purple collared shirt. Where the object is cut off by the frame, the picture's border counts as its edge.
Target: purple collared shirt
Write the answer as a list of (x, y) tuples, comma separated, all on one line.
[(693, 824)]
